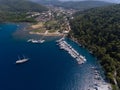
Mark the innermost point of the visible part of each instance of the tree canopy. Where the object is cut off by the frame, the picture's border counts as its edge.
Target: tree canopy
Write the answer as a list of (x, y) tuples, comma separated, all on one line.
[(15, 10), (99, 30)]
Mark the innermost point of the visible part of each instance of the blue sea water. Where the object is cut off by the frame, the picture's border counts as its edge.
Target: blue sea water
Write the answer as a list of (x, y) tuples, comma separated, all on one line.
[(49, 68)]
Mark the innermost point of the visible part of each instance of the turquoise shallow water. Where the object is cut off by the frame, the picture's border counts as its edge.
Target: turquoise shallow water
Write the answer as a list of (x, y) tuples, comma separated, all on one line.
[(49, 68)]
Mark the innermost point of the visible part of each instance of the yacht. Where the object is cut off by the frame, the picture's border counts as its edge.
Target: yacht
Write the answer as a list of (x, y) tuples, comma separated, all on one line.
[(36, 41), (20, 61)]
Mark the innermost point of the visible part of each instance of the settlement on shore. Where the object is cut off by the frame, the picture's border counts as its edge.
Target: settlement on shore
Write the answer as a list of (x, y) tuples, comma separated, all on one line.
[(65, 46)]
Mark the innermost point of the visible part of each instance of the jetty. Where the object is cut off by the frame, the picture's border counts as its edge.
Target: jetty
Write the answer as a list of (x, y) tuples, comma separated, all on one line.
[(67, 47)]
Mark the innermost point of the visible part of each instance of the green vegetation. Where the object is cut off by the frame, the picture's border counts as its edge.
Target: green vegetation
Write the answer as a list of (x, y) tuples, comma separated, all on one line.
[(46, 2), (39, 31), (78, 5), (52, 25), (16, 10), (15, 17), (99, 31), (52, 31), (82, 5), (20, 6)]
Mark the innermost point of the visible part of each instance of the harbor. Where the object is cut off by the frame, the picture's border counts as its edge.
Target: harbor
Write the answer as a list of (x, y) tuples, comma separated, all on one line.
[(48, 65), (65, 46)]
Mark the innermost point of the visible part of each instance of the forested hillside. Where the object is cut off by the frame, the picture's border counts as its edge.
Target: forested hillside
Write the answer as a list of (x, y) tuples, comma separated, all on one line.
[(99, 31), (78, 5), (15, 10), (82, 5), (20, 5)]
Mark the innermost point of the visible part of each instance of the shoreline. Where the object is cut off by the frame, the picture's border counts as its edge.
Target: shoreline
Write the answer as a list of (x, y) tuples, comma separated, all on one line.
[(74, 40), (106, 85), (48, 34), (100, 84)]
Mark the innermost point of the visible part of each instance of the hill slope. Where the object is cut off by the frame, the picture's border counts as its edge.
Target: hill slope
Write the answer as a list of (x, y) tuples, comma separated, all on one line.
[(20, 5), (82, 5), (79, 5), (99, 31), (15, 10)]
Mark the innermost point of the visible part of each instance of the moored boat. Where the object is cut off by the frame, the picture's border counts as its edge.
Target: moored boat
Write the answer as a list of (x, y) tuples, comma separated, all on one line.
[(65, 46), (20, 61), (36, 41)]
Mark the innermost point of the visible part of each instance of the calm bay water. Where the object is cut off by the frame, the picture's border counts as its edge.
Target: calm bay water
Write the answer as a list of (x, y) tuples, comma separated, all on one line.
[(49, 68)]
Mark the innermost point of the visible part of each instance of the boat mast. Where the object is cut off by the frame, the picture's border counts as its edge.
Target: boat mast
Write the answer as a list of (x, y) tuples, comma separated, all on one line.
[(23, 56), (19, 58)]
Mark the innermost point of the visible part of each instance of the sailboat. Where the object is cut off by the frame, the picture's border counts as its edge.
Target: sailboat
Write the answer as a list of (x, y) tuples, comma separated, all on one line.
[(23, 60), (36, 41)]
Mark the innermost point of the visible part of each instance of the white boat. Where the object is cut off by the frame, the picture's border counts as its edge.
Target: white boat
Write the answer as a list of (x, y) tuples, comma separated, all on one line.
[(41, 41), (30, 40), (20, 61), (36, 41)]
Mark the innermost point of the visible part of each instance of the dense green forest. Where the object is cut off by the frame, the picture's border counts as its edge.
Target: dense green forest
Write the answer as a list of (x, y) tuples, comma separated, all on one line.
[(99, 31), (78, 5), (82, 5), (15, 10)]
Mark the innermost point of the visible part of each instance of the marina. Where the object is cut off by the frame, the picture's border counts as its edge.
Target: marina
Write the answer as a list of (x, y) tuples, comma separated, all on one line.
[(65, 46), (48, 65)]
